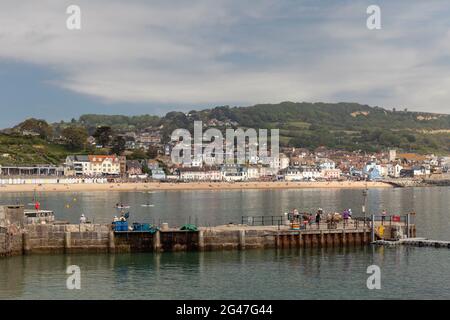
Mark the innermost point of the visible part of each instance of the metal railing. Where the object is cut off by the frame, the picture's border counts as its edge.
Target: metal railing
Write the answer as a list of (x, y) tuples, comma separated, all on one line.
[(262, 220), (355, 223)]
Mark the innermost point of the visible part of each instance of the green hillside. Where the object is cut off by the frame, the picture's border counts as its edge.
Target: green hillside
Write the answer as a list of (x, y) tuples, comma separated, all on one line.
[(347, 126), (24, 150)]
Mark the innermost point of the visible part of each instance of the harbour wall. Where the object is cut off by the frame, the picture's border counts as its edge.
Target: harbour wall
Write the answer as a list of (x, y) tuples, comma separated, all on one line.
[(93, 238)]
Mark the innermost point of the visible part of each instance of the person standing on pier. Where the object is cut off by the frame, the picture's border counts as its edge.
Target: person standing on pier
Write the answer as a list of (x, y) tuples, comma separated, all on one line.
[(345, 215), (318, 217), (383, 216)]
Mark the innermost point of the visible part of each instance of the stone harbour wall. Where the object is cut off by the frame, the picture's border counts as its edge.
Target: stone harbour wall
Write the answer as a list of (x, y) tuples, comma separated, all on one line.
[(90, 238), (49, 238), (10, 241)]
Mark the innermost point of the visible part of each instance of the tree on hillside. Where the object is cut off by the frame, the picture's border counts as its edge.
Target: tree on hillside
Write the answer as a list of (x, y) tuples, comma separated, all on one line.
[(118, 145), (152, 152), (38, 126), (137, 154), (103, 135), (75, 136)]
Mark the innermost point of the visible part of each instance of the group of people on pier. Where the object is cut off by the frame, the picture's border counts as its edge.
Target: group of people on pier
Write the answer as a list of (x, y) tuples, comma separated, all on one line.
[(308, 219)]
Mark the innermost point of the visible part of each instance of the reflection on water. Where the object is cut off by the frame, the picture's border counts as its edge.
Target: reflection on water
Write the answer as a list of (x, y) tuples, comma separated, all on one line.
[(335, 273), (255, 274)]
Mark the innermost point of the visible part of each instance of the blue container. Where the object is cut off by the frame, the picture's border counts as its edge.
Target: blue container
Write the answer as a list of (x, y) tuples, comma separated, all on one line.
[(143, 227), (120, 226)]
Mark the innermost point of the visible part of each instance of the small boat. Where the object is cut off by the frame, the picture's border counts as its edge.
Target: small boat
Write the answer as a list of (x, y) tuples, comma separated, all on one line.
[(122, 207), (39, 216), (147, 205)]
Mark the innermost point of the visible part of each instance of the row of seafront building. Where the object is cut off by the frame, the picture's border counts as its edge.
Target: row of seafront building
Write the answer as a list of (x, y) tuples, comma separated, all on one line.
[(294, 165)]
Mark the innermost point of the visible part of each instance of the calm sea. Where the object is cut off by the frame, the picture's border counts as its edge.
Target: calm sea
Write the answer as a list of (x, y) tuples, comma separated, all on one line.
[(255, 274)]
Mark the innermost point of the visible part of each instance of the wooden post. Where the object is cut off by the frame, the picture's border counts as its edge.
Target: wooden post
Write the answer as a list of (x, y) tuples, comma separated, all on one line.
[(373, 228), (408, 234), (335, 239), (297, 240)]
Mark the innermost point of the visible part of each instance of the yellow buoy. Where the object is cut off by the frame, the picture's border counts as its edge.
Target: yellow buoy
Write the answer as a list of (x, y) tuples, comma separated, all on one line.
[(381, 231)]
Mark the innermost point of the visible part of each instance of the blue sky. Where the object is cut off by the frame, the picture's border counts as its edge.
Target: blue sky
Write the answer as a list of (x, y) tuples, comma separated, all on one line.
[(138, 56)]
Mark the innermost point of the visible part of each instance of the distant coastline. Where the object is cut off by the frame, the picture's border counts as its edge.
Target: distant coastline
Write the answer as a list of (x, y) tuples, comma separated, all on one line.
[(155, 186)]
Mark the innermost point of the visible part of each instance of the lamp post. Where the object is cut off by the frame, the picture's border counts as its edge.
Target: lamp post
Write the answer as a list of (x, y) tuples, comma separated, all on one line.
[(365, 191)]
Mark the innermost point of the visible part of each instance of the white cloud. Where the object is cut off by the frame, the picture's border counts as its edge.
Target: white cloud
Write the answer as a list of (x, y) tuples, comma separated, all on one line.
[(214, 52)]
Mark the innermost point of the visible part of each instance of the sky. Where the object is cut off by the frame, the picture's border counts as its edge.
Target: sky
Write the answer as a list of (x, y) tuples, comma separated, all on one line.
[(152, 57)]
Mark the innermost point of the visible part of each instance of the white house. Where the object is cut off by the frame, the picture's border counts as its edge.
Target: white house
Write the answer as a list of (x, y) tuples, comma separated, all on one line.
[(233, 172), (266, 171), (382, 170), (301, 173), (252, 173), (394, 170), (284, 161), (293, 174), (326, 164), (331, 173), (310, 172), (76, 165), (103, 165), (421, 171), (197, 174)]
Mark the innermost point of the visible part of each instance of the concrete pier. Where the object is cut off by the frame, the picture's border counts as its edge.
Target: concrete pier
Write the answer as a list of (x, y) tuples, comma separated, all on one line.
[(18, 238), (101, 238)]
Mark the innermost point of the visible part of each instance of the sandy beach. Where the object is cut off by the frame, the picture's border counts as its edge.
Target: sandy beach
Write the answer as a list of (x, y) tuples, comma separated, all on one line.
[(154, 186)]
